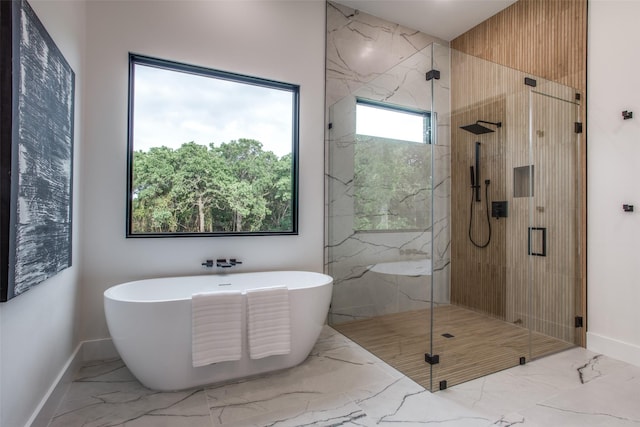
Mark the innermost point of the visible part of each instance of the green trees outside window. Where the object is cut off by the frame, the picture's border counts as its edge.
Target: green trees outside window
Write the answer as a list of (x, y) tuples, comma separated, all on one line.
[(234, 187)]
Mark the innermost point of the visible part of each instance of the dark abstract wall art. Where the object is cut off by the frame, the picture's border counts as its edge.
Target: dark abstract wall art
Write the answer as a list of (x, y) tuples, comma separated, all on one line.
[(37, 88)]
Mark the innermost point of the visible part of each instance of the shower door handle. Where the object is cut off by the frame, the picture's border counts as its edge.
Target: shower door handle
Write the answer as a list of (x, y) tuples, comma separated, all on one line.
[(543, 242)]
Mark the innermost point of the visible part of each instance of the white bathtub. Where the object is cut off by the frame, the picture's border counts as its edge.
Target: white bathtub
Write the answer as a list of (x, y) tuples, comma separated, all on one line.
[(150, 323)]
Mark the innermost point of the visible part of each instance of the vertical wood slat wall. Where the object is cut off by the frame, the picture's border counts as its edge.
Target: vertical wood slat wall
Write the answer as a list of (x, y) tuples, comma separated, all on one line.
[(478, 276), (480, 91), (547, 38)]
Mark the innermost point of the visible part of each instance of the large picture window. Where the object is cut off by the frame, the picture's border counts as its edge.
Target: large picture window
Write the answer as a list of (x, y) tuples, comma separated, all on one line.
[(392, 176), (210, 152)]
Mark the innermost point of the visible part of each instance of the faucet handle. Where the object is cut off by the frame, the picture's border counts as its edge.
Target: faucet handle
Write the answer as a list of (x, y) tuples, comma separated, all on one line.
[(222, 262)]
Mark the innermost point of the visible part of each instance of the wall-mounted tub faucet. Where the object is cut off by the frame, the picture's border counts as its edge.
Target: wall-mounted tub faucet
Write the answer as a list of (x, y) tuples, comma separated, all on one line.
[(221, 263)]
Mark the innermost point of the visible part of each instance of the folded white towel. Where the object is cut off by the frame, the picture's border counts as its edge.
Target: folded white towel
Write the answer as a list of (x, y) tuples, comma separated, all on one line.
[(216, 327), (268, 324)]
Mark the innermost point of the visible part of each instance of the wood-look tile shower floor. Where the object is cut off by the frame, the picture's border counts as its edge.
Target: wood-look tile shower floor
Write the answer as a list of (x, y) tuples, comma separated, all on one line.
[(480, 345)]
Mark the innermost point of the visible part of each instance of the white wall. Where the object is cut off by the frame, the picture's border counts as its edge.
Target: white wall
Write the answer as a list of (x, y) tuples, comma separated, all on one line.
[(38, 331), (280, 40), (613, 238)]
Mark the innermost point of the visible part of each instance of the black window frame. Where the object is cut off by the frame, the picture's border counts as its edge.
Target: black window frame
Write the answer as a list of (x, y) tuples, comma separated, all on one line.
[(137, 59)]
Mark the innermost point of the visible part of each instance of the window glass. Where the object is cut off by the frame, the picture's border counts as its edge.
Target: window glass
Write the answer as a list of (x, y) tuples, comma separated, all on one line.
[(211, 152), (392, 176)]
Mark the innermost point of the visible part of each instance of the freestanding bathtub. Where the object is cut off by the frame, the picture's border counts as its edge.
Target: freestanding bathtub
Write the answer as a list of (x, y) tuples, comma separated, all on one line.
[(150, 324)]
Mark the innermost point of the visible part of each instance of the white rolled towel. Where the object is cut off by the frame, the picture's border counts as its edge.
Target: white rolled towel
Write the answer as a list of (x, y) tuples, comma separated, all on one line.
[(268, 322), (216, 327)]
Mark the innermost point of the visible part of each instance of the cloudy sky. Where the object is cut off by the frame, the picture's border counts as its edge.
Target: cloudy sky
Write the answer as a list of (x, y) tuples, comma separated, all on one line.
[(172, 108), (387, 123)]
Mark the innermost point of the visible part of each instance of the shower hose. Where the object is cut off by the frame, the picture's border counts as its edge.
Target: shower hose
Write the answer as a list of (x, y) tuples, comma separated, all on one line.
[(486, 199)]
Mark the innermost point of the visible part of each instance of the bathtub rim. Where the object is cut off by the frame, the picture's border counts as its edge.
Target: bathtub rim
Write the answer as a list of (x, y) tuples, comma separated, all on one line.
[(117, 293)]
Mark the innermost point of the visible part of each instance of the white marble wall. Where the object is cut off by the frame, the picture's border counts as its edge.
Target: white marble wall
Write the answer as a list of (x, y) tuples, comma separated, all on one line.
[(377, 60)]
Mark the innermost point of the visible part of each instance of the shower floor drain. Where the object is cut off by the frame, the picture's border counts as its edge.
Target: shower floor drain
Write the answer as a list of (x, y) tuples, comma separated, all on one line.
[(447, 335)]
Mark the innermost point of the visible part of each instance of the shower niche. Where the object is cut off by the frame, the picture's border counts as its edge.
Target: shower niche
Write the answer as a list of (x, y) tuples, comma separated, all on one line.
[(402, 211), (523, 181)]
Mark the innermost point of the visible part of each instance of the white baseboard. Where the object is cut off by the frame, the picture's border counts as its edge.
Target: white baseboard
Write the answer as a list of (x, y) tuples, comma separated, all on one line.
[(616, 349), (49, 403), (85, 351)]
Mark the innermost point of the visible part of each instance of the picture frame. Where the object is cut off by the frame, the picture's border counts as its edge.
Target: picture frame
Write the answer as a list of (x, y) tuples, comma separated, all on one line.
[(37, 99)]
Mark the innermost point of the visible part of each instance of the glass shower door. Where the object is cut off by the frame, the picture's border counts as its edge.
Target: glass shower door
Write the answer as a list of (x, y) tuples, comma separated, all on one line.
[(553, 235)]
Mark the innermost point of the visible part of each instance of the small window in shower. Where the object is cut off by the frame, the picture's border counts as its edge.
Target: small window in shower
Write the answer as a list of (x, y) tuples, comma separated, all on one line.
[(392, 168)]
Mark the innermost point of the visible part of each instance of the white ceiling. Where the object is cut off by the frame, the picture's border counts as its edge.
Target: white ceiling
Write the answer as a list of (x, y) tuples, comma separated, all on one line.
[(445, 19)]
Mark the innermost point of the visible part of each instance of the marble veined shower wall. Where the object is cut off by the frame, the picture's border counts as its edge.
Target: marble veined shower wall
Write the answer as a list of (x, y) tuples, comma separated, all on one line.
[(379, 272)]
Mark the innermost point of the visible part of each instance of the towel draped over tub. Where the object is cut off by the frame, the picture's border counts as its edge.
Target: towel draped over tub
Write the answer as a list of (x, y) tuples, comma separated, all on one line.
[(217, 325), (268, 322)]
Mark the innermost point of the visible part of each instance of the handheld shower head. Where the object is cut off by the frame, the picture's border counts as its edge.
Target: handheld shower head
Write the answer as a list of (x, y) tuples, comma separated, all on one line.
[(478, 129)]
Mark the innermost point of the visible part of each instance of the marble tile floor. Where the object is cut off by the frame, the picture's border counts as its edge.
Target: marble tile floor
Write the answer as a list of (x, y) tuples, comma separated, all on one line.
[(341, 384)]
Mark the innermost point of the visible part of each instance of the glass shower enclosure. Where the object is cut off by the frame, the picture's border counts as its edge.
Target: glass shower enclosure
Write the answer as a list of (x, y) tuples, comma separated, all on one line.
[(452, 216)]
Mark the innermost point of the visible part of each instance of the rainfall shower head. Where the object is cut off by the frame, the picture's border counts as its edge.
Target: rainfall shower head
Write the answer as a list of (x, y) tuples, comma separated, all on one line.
[(478, 129)]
